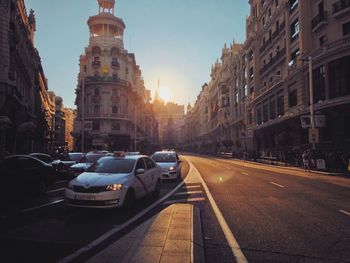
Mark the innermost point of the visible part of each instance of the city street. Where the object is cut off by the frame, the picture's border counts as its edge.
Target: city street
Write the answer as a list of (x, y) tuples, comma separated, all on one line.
[(275, 215)]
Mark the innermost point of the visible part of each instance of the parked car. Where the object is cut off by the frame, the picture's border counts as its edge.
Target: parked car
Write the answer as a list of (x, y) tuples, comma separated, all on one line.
[(67, 161), (115, 181), (86, 163), (170, 163), (24, 173)]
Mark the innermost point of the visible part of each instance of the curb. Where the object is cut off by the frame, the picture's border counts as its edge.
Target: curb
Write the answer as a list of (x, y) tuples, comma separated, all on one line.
[(197, 238)]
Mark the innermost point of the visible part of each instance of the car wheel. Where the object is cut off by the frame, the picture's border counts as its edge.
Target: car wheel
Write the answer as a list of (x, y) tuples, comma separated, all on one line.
[(157, 188), (129, 199)]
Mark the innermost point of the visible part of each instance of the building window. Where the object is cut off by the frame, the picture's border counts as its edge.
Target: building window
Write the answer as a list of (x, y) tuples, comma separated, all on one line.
[(95, 126), (293, 98), (319, 87), (280, 104), (270, 13), (322, 40), (259, 114), (115, 109), (272, 107), (245, 90), (293, 4), (293, 57), (115, 126), (339, 80), (96, 92), (276, 1), (294, 30), (251, 72), (346, 29), (265, 111), (96, 109)]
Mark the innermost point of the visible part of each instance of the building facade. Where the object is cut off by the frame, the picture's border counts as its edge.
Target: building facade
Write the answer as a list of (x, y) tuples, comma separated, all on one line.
[(25, 111), (259, 92), (111, 97)]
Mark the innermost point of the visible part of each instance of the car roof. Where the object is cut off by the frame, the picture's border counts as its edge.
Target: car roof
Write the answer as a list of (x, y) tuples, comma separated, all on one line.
[(165, 152), (132, 157), (24, 155), (44, 154)]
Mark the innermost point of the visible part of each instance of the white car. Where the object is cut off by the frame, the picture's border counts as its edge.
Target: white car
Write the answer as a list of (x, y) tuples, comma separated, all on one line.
[(115, 182), (170, 163)]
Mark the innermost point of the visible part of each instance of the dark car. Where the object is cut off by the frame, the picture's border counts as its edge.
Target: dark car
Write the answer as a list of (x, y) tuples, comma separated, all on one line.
[(25, 174), (89, 160)]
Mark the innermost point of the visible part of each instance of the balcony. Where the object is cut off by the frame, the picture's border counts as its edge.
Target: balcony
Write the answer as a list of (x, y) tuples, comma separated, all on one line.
[(96, 99), (115, 64), (113, 79), (340, 43), (96, 64), (341, 7), (318, 21), (273, 61), (115, 99)]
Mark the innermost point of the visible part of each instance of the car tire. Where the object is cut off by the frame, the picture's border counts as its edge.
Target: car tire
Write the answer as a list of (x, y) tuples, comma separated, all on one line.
[(157, 188), (129, 199)]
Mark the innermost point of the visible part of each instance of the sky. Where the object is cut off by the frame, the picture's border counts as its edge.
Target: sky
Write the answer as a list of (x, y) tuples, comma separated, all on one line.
[(175, 41)]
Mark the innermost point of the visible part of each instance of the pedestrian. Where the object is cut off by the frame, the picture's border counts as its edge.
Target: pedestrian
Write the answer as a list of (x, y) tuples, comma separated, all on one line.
[(306, 162)]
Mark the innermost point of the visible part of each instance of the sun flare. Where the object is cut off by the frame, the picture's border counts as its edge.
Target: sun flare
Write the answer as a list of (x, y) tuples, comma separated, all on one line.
[(165, 93)]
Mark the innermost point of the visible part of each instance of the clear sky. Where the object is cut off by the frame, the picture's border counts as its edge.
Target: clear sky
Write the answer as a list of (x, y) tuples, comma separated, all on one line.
[(175, 41)]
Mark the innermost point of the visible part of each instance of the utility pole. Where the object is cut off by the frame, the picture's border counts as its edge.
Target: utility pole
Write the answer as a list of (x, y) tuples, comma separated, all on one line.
[(312, 113), (135, 127)]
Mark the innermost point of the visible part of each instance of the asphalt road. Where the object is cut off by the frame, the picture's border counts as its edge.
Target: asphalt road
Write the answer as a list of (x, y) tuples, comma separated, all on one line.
[(43, 229), (276, 215)]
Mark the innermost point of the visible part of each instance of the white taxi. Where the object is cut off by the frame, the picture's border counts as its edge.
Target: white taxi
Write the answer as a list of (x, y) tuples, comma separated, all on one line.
[(115, 181)]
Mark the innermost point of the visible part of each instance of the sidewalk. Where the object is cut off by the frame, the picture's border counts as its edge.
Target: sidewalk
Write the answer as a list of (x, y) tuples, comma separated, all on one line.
[(173, 236)]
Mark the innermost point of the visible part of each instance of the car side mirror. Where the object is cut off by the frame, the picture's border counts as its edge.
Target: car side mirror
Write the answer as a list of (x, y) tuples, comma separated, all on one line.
[(140, 171)]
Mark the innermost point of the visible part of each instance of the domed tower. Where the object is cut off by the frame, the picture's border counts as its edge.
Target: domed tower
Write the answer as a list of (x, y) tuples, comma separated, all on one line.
[(109, 81)]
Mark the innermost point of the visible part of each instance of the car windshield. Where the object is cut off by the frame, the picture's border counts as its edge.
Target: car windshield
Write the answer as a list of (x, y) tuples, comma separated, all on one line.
[(42, 157), (113, 165), (164, 158), (75, 157), (92, 158)]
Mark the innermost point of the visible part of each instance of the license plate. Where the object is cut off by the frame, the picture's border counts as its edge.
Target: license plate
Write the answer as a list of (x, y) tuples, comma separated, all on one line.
[(84, 197)]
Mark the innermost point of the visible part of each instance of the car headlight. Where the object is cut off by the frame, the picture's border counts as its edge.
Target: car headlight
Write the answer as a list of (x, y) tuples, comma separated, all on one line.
[(114, 187), (172, 168)]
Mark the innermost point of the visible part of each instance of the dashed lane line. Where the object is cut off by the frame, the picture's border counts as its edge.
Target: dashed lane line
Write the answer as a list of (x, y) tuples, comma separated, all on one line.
[(245, 173), (191, 186), (279, 185), (189, 193), (184, 200), (40, 206), (55, 190), (344, 212)]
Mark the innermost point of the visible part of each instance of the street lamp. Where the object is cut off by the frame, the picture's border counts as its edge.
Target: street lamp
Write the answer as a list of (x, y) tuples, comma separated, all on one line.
[(311, 90)]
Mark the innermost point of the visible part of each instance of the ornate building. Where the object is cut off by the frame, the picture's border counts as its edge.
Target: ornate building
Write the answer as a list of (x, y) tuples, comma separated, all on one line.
[(25, 111), (111, 97)]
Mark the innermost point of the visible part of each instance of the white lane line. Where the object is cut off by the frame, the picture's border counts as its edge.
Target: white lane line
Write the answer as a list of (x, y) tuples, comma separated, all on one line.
[(235, 248), (344, 212), (228, 168), (115, 230), (184, 200), (279, 185), (245, 173), (55, 190), (40, 206), (191, 186), (189, 193)]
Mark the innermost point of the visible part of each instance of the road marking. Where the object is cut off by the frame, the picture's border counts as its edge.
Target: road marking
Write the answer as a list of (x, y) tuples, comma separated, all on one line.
[(189, 193), (55, 190), (245, 173), (344, 212), (279, 185), (40, 206), (228, 168), (115, 230), (184, 200), (236, 250), (191, 186)]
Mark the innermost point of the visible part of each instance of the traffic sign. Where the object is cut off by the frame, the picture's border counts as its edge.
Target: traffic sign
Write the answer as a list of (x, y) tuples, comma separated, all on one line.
[(313, 136)]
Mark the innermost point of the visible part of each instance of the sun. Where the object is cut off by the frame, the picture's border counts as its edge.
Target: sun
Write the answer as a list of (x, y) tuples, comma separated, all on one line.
[(165, 93)]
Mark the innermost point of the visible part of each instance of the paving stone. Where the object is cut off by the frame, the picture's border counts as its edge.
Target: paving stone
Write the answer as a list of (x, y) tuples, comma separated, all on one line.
[(147, 255)]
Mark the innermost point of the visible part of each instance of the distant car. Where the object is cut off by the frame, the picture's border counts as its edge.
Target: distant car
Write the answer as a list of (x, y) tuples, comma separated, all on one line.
[(115, 182), (24, 173), (170, 163), (89, 159), (132, 153)]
